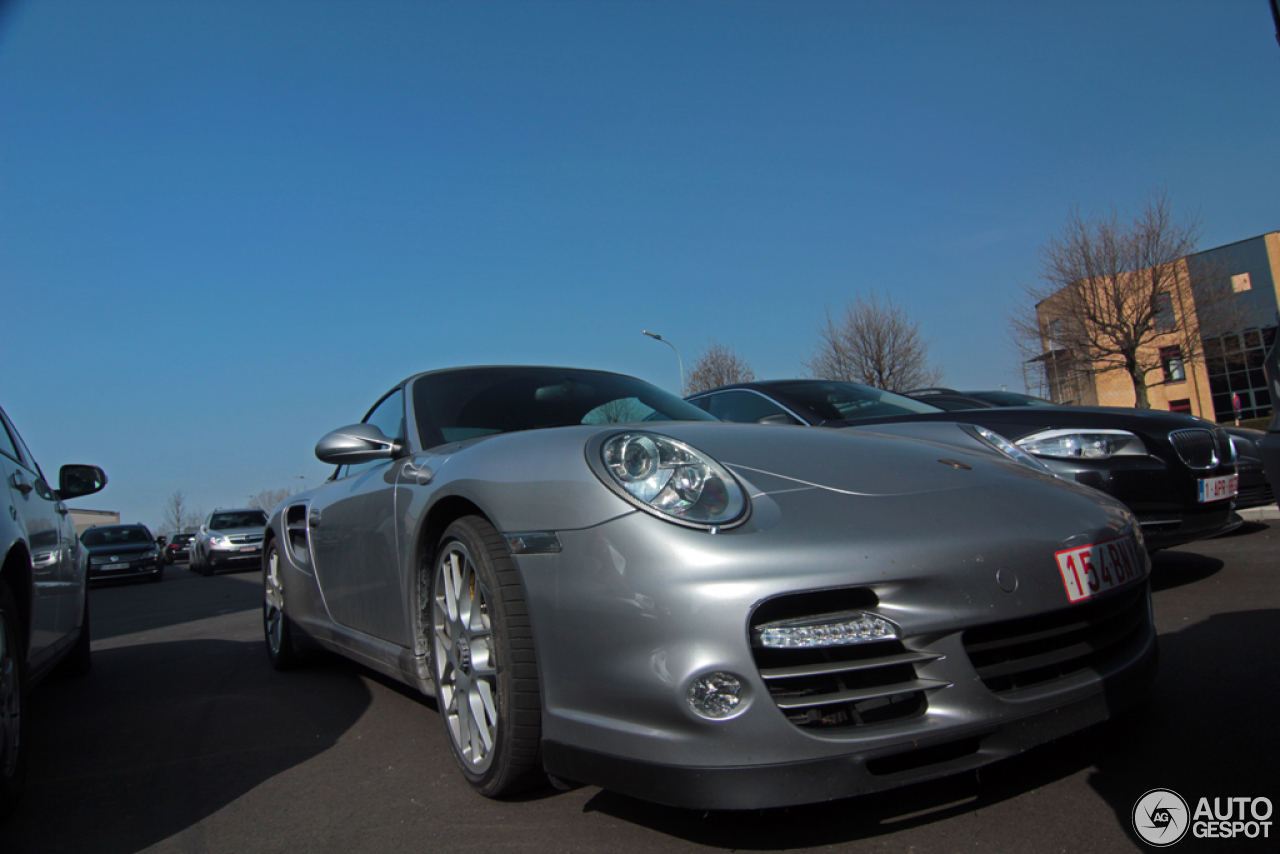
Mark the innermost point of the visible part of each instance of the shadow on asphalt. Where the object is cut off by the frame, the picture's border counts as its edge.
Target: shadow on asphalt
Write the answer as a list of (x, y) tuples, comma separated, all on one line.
[(1171, 569), (180, 730), (122, 608)]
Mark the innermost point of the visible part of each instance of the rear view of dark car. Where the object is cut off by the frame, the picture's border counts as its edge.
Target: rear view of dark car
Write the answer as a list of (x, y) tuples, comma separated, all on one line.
[(179, 548), (122, 551), (1175, 472)]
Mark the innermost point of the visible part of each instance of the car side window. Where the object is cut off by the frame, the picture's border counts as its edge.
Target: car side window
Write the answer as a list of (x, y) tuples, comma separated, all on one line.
[(744, 407), (387, 416)]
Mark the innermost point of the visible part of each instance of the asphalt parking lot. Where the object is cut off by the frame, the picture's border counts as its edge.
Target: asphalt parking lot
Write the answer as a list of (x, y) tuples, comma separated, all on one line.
[(183, 739)]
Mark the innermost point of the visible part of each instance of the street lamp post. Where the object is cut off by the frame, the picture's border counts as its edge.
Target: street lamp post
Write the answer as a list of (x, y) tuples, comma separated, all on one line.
[(656, 337)]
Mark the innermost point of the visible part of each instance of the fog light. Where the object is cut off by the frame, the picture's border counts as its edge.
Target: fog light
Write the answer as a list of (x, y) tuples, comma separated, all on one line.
[(715, 695), (831, 630)]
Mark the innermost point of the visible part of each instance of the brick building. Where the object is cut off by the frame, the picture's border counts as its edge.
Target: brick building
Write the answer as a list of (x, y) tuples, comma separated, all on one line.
[(1205, 380)]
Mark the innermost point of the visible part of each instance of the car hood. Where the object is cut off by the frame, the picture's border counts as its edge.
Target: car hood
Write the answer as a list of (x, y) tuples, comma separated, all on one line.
[(775, 458), (121, 548), (1016, 422)]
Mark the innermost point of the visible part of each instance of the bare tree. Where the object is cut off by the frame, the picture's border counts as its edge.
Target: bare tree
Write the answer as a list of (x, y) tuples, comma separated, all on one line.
[(177, 516), (718, 365), (876, 343), (1120, 295), (269, 498)]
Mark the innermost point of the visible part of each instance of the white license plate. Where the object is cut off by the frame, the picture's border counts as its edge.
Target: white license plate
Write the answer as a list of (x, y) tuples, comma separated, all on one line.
[(115, 566), (248, 548), (1097, 568), (1218, 488)]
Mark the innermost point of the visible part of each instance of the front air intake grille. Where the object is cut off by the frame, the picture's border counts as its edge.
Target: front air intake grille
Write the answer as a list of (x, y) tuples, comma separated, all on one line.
[(840, 687), (1196, 448), (1035, 651), (245, 539)]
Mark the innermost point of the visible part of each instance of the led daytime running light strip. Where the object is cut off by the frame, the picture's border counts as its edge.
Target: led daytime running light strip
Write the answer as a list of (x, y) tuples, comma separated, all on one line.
[(833, 630)]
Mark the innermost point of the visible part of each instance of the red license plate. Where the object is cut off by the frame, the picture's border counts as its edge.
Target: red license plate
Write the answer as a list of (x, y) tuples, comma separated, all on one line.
[(1099, 567)]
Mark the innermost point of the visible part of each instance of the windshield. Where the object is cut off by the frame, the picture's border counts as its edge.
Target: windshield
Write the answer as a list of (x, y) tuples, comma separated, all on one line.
[(115, 536), (1009, 398), (239, 519), (840, 401), (451, 406)]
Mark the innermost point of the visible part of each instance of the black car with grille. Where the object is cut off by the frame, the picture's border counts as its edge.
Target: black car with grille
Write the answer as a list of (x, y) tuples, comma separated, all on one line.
[(1175, 472), (122, 551)]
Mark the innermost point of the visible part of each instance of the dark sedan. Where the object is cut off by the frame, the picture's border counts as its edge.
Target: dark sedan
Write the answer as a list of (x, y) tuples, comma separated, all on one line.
[(1175, 472), (179, 548), (122, 551), (1255, 490)]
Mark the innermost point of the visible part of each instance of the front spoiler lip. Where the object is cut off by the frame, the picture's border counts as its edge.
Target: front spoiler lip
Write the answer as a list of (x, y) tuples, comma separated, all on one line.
[(848, 775)]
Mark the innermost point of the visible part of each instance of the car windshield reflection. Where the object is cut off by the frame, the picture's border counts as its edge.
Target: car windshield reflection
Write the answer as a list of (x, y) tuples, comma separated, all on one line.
[(452, 406)]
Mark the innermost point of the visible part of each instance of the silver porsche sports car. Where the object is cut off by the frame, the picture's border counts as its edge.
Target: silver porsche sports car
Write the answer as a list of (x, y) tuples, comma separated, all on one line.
[(601, 584)]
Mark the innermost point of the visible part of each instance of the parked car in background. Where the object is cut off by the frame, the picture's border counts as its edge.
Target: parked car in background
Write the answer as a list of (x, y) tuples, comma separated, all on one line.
[(1175, 472), (44, 579), (1255, 490), (600, 582), (228, 539), (1269, 445), (179, 548), (118, 552)]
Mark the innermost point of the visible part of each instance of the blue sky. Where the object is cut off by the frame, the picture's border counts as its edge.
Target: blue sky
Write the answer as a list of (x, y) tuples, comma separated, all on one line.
[(227, 227)]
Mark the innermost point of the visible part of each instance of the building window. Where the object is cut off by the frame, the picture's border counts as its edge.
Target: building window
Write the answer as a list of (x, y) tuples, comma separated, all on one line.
[(1234, 364), (1183, 405), (1171, 361), (1162, 318)]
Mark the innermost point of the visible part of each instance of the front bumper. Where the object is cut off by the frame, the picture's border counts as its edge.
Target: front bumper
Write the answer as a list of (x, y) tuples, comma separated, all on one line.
[(236, 556), (992, 658), (148, 567), (1162, 495)]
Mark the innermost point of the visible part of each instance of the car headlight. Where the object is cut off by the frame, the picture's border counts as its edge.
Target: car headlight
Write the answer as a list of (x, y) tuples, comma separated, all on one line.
[(1009, 449), (673, 480), (1083, 444), (219, 541)]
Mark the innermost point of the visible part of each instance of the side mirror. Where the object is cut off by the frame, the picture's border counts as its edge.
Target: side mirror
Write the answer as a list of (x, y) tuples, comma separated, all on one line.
[(357, 443), (77, 480)]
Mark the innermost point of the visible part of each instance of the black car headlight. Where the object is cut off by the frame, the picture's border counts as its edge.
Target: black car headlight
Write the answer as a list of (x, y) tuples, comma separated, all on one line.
[(1083, 444), (1004, 446), (672, 480)]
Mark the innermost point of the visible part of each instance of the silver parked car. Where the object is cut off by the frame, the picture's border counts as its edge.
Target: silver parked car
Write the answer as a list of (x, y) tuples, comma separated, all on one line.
[(600, 583), (228, 539), (44, 580)]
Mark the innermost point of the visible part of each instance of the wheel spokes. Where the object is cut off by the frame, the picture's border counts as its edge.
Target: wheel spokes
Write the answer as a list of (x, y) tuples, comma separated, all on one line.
[(465, 668)]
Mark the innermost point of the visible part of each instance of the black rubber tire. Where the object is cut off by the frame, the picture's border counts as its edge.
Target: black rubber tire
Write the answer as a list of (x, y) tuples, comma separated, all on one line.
[(159, 575), (277, 629), (79, 661), (501, 633), (13, 696)]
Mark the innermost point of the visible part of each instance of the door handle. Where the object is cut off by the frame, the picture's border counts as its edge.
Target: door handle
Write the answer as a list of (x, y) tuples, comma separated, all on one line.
[(18, 482)]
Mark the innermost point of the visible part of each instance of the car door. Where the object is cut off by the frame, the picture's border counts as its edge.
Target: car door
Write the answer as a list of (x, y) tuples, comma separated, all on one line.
[(37, 510), (353, 537)]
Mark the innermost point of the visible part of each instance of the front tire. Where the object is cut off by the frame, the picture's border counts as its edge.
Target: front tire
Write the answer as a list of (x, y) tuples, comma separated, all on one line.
[(13, 673), (482, 658), (275, 621)]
